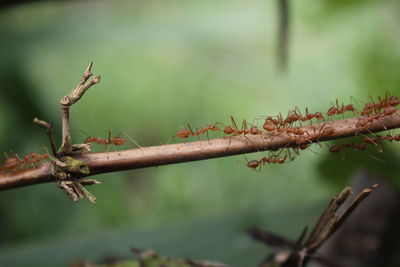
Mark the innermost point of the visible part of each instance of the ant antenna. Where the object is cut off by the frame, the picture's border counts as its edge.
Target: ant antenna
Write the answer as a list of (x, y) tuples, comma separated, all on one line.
[(131, 139)]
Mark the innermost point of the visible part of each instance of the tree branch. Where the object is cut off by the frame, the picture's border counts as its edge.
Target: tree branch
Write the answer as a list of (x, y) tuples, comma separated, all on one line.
[(192, 151), (67, 101)]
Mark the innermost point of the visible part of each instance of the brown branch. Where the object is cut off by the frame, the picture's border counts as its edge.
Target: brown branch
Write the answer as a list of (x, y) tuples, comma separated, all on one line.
[(184, 152), (67, 101)]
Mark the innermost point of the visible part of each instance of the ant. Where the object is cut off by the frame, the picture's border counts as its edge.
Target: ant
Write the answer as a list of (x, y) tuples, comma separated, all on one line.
[(270, 124), (310, 116), (256, 164), (295, 130), (35, 157), (205, 129), (184, 133), (387, 104), (233, 129), (355, 146), (117, 141), (17, 163), (363, 122), (336, 110), (323, 132), (11, 163), (293, 116)]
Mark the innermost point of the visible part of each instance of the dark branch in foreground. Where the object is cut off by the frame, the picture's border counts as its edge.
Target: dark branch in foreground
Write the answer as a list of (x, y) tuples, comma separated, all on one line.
[(291, 254), (184, 152)]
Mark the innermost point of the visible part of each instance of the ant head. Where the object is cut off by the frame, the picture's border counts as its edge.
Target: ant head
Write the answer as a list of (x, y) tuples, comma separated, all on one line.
[(254, 130), (213, 127), (394, 100), (90, 139)]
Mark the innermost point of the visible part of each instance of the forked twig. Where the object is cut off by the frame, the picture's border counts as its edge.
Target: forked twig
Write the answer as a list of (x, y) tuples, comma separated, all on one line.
[(67, 101), (298, 254)]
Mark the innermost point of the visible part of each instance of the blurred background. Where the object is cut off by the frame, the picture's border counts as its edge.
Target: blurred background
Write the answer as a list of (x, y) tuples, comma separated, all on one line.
[(165, 64)]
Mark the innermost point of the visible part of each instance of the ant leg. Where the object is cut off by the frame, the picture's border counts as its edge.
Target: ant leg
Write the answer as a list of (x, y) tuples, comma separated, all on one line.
[(132, 140), (208, 138), (109, 136), (374, 142), (190, 129), (233, 122), (378, 159), (229, 143)]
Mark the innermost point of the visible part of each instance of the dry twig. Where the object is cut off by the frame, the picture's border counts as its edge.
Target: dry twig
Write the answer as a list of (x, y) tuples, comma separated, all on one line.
[(297, 254)]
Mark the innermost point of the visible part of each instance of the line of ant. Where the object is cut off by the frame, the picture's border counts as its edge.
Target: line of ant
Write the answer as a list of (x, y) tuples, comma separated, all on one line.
[(369, 117), (273, 158), (369, 140), (33, 159), (376, 107), (231, 130), (279, 124)]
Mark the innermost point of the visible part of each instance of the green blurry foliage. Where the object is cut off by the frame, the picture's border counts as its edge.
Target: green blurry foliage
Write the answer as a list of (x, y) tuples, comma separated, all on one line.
[(165, 64)]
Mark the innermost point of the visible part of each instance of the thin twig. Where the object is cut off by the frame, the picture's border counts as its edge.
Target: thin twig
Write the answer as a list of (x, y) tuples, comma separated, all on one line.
[(336, 220), (49, 129)]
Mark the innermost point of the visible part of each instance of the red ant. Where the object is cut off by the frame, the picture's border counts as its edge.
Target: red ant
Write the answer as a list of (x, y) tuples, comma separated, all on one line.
[(117, 141), (16, 162), (254, 164), (338, 148), (292, 117), (184, 133), (234, 130), (310, 116), (11, 163), (270, 124), (295, 130), (387, 111), (324, 132), (388, 102), (336, 110), (35, 157)]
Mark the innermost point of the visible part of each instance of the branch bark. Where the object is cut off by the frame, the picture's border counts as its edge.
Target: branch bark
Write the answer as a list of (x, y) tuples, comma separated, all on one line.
[(199, 150)]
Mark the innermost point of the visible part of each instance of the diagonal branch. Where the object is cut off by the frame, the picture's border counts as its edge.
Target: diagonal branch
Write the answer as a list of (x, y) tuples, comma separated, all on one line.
[(184, 152)]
